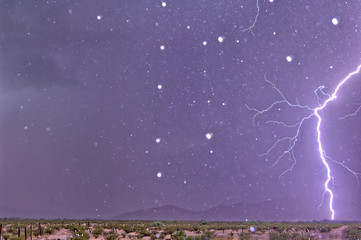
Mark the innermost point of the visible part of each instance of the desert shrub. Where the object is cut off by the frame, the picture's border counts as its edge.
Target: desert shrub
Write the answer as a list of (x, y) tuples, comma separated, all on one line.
[(245, 236), (325, 229), (278, 236), (81, 236), (180, 235), (157, 224), (6, 236), (202, 229), (16, 238), (36, 232), (153, 235), (169, 230), (97, 231), (143, 233), (297, 236), (353, 233), (207, 235), (78, 232), (281, 229), (128, 228), (221, 228), (112, 235), (111, 225), (49, 230), (11, 230), (195, 228)]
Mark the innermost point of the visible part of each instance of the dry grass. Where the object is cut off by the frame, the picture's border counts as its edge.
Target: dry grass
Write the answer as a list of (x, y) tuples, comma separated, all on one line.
[(146, 230)]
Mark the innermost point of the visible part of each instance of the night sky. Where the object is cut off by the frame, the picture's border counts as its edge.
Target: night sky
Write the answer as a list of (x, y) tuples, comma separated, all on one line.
[(119, 105)]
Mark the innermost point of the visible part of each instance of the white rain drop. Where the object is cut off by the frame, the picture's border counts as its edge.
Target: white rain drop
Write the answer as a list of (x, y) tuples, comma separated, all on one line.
[(209, 136), (334, 21)]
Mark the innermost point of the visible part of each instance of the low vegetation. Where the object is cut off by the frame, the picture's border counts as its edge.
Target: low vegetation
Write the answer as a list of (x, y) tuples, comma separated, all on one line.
[(16, 229), (353, 232)]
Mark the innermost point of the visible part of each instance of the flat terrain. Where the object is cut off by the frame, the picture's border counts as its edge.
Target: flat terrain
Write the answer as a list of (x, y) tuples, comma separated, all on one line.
[(113, 230)]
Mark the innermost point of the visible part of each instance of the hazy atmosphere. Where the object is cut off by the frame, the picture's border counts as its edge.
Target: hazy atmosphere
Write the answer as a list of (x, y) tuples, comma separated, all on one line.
[(114, 106)]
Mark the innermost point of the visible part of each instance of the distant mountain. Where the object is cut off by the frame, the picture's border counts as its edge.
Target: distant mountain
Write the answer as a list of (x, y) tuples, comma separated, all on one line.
[(167, 212), (290, 209)]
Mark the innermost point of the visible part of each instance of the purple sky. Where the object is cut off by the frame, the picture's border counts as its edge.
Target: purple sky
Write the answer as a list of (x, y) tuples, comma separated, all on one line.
[(105, 106)]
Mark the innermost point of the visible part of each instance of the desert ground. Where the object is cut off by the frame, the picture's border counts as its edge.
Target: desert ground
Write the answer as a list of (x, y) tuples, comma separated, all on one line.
[(148, 230)]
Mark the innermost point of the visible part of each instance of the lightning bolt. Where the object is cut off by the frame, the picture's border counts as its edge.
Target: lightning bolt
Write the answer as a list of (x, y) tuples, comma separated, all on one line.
[(255, 19), (292, 140)]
